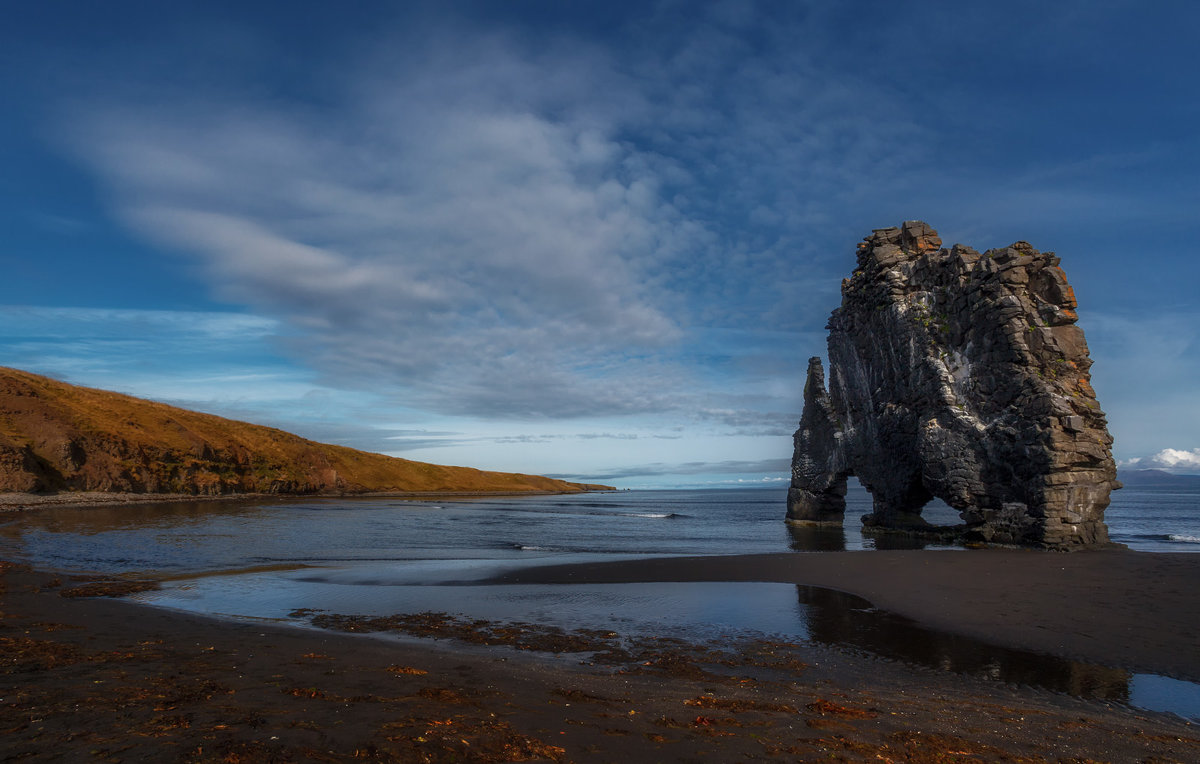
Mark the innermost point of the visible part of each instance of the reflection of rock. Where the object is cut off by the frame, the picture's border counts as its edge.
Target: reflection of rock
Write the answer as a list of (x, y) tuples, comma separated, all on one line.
[(842, 619), (959, 376), (906, 541), (817, 538)]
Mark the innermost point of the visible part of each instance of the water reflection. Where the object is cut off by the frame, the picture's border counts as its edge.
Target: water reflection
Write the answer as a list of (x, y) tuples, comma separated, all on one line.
[(851, 536), (690, 611), (817, 538), (901, 541), (841, 619), (89, 521)]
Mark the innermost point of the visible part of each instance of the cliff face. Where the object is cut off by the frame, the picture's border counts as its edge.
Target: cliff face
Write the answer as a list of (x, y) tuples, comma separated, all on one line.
[(959, 376), (59, 437)]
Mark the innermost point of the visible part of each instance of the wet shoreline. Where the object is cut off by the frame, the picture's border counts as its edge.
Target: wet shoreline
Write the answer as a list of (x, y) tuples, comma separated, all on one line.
[(111, 678), (1135, 610)]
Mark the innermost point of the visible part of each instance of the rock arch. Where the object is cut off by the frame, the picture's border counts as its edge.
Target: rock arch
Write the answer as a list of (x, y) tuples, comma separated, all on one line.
[(958, 376)]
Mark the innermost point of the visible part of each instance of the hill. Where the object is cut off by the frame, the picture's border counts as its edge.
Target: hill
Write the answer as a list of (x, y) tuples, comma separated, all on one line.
[(1157, 479), (60, 437)]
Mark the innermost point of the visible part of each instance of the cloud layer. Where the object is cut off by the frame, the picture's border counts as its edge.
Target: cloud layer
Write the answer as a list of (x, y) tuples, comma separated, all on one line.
[(479, 255), (497, 228)]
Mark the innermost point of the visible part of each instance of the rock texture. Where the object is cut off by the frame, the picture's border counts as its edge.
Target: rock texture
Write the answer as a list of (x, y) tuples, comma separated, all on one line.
[(959, 376), (60, 437)]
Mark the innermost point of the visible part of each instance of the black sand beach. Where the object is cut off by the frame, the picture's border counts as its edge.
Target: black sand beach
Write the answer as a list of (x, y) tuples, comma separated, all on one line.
[(108, 680), (1135, 610)]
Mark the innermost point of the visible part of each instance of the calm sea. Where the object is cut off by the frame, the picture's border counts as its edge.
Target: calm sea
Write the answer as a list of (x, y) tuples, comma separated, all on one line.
[(205, 536), (383, 556)]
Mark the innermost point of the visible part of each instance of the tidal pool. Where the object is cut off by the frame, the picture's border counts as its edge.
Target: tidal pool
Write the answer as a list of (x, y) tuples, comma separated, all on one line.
[(695, 612)]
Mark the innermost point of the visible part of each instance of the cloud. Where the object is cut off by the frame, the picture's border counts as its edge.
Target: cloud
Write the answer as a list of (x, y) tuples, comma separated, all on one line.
[(1169, 459), (765, 480), (728, 467), (746, 421), (497, 226), (379, 439), (437, 231), (408, 440)]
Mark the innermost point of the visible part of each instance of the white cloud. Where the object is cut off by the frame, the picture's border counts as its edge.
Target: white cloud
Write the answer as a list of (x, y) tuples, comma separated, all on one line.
[(1169, 459), (430, 233), (497, 228)]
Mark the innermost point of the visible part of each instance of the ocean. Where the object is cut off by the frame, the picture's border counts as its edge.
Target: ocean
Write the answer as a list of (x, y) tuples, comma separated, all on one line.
[(266, 560), (1155, 519), (205, 536)]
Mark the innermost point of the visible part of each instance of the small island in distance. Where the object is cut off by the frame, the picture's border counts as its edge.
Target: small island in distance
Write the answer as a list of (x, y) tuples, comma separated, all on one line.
[(57, 437)]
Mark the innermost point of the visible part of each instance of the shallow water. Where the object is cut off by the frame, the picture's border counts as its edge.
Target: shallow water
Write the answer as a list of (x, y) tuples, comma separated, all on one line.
[(696, 612), (165, 538), (386, 556), (1155, 519), (196, 536)]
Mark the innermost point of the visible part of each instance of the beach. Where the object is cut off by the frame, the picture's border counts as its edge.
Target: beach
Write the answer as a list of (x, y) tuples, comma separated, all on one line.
[(105, 679), (1136, 610)]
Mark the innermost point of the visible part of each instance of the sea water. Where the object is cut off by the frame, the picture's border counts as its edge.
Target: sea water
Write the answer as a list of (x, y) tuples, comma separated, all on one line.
[(208, 536), (382, 556), (1155, 519)]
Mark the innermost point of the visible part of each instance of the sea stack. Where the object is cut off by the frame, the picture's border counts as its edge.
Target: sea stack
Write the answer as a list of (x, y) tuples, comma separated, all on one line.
[(961, 376)]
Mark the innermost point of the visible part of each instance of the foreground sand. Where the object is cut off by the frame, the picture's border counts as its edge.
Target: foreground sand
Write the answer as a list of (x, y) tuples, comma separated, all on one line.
[(1136, 610), (108, 680)]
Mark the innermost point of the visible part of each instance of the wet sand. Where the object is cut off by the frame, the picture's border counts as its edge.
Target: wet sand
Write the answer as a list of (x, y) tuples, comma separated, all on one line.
[(1135, 610), (109, 680)]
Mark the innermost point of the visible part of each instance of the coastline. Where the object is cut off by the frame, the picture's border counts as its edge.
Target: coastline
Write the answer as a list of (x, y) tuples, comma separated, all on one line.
[(18, 502), (118, 680), (1135, 610), (96, 677)]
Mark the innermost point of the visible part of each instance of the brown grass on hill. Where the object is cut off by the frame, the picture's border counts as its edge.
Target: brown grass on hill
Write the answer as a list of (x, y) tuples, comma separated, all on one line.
[(60, 437)]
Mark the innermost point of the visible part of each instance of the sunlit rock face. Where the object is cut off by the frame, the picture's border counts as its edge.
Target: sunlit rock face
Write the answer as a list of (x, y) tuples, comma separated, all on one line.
[(959, 376)]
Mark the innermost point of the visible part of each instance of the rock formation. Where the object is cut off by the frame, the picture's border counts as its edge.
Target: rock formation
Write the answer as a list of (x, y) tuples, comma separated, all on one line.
[(959, 376)]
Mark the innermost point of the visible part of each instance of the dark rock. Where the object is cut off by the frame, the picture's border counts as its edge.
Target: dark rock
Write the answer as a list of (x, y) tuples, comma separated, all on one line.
[(958, 376)]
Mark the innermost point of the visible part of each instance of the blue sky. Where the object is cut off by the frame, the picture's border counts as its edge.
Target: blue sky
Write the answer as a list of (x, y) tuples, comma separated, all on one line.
[(596, 240)]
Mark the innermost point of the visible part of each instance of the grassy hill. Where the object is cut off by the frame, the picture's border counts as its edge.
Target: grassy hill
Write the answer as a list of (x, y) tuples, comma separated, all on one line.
[(60, 437)]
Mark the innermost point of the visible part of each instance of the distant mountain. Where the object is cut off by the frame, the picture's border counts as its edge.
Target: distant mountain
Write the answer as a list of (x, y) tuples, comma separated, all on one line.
[(1147, 478), (60, 437)]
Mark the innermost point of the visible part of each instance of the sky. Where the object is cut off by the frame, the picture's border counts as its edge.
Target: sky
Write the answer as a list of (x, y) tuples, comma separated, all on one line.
[(596, 240)]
